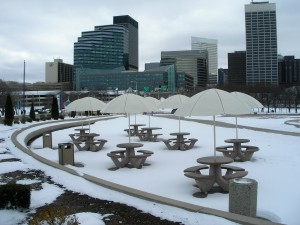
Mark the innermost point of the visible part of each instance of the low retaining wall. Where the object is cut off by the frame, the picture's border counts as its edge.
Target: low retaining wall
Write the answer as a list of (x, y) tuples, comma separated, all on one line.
[(121, 188)]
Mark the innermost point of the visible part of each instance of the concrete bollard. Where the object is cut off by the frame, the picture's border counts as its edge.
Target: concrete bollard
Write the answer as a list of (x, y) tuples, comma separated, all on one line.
[(47, 140), (243, 196), (66, 153)]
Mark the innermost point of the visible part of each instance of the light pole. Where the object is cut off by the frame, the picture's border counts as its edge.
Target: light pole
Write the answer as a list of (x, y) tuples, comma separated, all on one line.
[(135, 86), (24, 90)]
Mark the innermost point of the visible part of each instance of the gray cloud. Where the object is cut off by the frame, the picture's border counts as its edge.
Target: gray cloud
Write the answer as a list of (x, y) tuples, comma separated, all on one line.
[(38, 31)]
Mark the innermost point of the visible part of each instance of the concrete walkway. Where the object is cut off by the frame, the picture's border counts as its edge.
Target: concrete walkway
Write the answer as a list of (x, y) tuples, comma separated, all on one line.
[(229, 125)]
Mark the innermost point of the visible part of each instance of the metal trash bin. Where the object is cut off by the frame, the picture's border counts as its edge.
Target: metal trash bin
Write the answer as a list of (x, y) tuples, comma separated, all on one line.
[(47, 140), (66, 153), (243, 196)]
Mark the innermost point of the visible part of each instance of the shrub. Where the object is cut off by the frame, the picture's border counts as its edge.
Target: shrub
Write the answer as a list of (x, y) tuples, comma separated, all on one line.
[(13, 196), (54, 109), (9, 111), (29, 120), (53, 216), (17, 121), (32, 112), (23, 120), (73, 114), (42, 117)]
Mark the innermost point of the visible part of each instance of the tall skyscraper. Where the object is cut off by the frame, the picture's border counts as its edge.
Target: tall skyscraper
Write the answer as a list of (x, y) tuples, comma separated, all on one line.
[(261, 44), (133, 39), (211, 45), (107, 47)]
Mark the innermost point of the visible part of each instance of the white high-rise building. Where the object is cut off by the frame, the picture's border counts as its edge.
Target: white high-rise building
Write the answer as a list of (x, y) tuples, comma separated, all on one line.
[(261, 44), (211, 45), (58, 72)]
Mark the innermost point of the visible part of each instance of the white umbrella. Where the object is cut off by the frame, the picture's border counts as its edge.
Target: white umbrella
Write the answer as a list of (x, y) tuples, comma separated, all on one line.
[(248, 100), (85, 104), (153, 104), (174, 102), (128, 104), (212, 102), (154, 101)]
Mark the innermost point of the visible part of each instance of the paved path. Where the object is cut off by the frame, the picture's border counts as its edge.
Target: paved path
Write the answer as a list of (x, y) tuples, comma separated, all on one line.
[(229, 125)]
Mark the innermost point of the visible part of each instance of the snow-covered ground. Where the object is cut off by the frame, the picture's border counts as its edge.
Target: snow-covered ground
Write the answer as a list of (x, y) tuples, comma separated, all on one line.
[(274, 167)]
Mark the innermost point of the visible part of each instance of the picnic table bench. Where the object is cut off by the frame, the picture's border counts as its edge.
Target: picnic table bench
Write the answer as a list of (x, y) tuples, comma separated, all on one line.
[(214, 175), (245, 152), (181, 144), (128, 157), (143, 136), (89, 143)]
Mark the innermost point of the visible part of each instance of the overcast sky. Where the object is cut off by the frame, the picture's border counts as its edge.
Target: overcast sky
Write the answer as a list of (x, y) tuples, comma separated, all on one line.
[(38, 31)]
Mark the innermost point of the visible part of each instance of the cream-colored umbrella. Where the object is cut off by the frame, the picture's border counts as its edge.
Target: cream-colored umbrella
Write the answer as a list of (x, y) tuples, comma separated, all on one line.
[(174, 102), (85, 104), (248, 100), (153, 103), (128, 104), (213, 102)]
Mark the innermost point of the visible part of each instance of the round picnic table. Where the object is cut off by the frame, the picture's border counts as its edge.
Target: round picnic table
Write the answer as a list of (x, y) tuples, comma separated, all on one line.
[(130, 147), (136, 127), (215, 163), (81, 130)]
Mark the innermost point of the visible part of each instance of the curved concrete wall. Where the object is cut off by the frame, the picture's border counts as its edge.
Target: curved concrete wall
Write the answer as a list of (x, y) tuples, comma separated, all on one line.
[(121, 188)]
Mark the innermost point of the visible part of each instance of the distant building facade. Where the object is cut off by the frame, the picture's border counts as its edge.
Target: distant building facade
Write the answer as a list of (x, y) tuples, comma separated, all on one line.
[(148, 80), (261, 44), (191, 62), (108, 47), (58, 72), (289, 70), (211, 45), (237, 68)]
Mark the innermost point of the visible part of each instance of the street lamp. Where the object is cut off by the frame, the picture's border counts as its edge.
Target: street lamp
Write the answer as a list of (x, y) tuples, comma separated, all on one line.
[(135, 86), (24, 90)]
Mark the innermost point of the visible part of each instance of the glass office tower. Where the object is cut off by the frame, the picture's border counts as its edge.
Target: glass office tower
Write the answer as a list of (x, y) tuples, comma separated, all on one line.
[(261, 44), (108, 47), (133, 40)]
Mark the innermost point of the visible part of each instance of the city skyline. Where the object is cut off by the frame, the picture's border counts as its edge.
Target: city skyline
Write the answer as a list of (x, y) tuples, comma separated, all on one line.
[(38, 32)]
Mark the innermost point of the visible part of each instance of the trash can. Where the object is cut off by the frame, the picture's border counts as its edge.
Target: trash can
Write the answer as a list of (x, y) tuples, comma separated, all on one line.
[(47, 140), (243, 196), (66, 153)]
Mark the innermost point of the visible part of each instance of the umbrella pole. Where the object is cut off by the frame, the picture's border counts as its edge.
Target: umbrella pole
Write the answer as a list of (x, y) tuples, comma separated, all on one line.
[(179, 124), (89, 122), (149, 120), (214, 135), (236, 129), (128, 114), (134, 118)]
